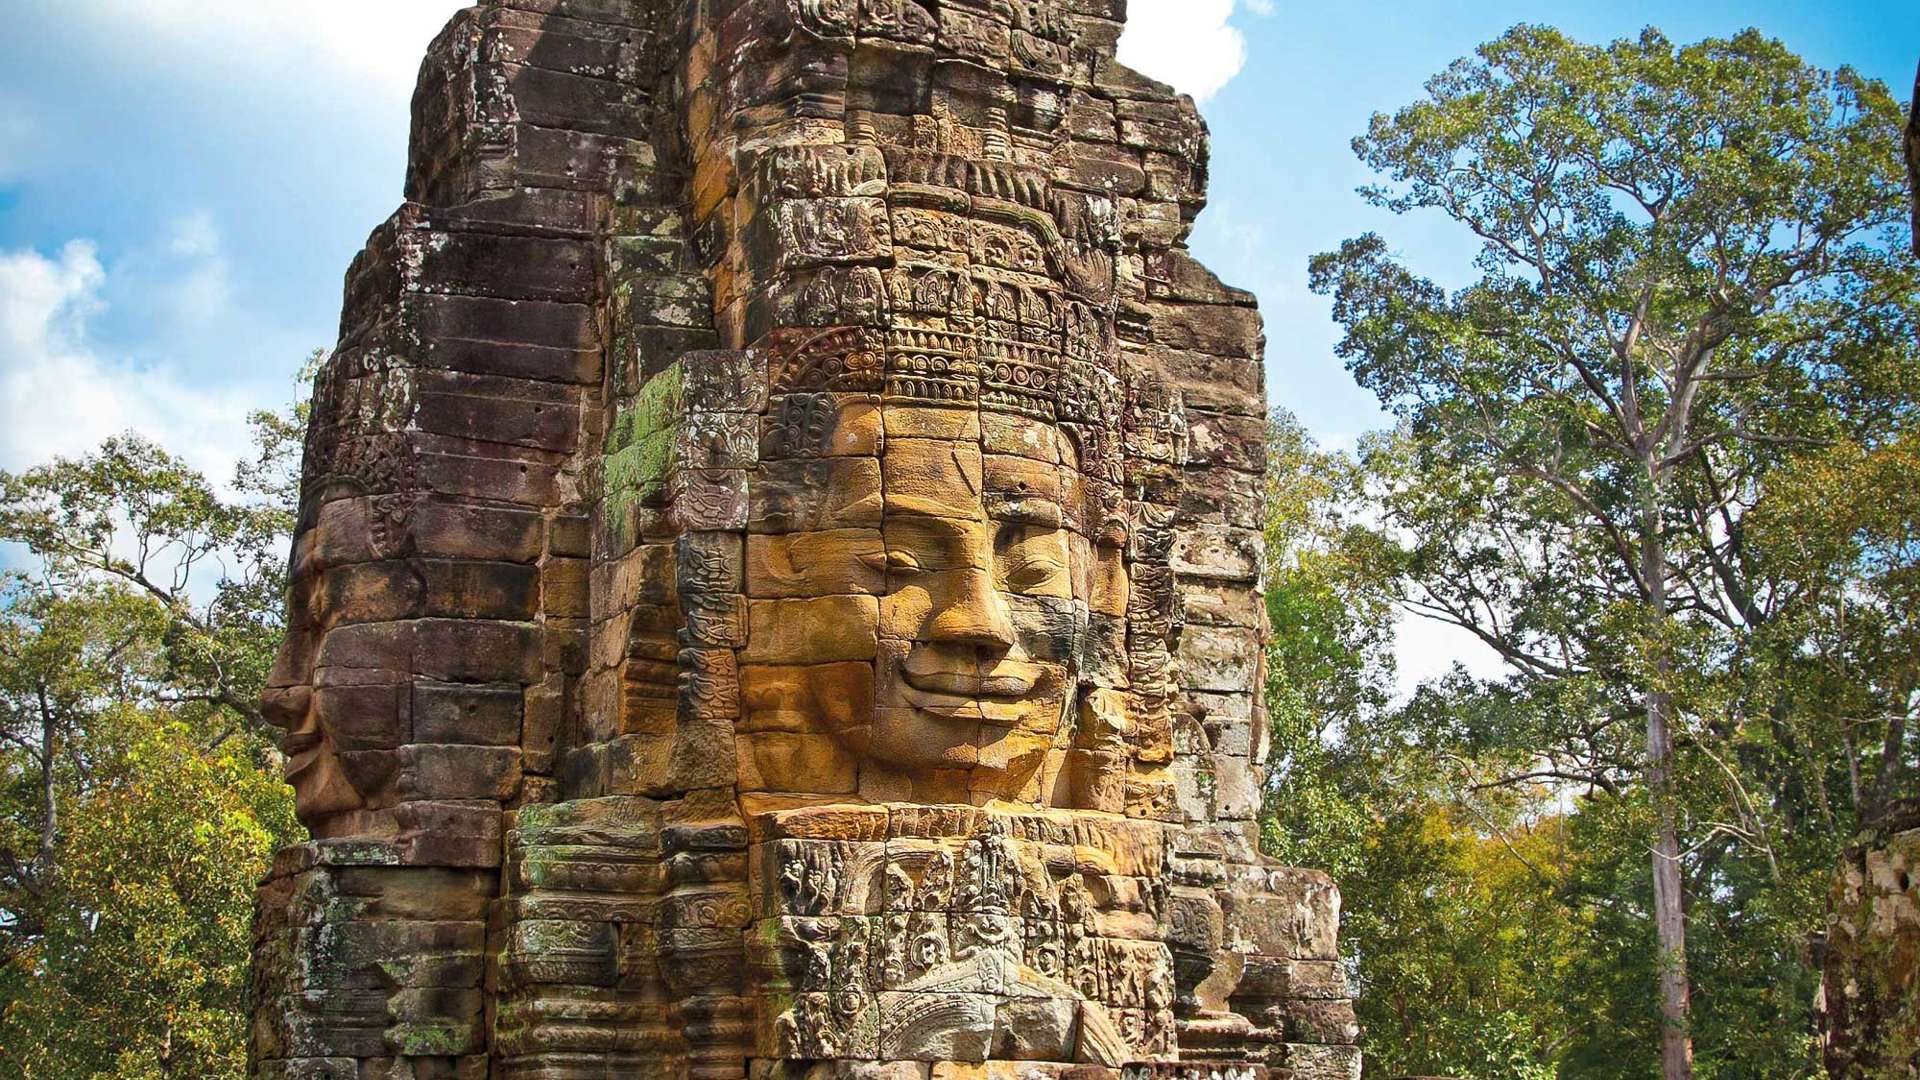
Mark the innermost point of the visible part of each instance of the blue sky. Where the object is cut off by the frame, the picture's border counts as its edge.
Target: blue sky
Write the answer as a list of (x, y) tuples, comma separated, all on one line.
[(1284, 174), (182, 183)]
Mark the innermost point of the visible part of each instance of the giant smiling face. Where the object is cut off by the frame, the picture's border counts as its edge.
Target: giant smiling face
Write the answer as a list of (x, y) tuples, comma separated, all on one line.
[(934, 630)]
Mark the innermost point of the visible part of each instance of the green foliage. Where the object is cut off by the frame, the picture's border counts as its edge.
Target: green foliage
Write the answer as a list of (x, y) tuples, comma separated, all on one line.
[(139, 790), (134, 514), (1457, 950), (1330, 656), (1658, 455), (139, 965)]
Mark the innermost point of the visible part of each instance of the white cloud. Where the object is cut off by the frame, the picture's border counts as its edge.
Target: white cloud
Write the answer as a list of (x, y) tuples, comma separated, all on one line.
[(1184, 42), (376, 44), (1426, 648), (17, 133), (59, 395), (198, 280), (45, 303)]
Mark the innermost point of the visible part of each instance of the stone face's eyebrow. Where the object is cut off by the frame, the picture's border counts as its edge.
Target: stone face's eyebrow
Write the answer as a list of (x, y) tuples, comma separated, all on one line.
[(914, 506), (1024, 509), (939, 541), (933, 476)]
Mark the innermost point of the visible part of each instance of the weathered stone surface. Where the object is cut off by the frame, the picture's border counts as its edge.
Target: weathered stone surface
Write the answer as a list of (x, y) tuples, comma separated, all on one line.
[(824, 563), (1869, 1025), (776, 592)]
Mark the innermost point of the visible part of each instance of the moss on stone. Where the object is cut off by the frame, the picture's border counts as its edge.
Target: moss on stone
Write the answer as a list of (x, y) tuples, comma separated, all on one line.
[(638, 454)]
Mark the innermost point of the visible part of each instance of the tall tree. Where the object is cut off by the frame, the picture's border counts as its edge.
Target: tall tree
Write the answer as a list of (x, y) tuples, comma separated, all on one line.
[(1451, 913), (139, 795), (1692, 269)]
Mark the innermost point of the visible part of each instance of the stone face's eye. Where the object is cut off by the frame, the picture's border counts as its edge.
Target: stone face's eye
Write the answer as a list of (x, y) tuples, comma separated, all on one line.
[(917, 543), (1032, 560), (1025, 575)]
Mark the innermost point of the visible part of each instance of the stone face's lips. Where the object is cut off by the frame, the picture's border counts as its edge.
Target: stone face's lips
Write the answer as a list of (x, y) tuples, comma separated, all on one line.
[(296, 744), (945, 706), (966, 686)]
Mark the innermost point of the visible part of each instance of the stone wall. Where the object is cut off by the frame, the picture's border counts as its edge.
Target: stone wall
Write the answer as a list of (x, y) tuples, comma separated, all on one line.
[(1869, 1002), (777, 584)]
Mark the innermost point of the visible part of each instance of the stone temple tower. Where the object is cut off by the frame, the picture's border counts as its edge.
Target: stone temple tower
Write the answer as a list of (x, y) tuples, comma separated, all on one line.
[(777, 585)]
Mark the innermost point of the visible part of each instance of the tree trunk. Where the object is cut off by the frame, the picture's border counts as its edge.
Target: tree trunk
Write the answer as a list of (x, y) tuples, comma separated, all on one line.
[(1669, 910), (49, 796)]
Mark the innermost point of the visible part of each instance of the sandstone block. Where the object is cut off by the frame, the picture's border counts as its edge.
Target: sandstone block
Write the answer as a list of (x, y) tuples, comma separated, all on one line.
[(458, 771), (937, 1027), (1035, 1029), (452, 530), (802, 496), (818, 630), (795, 762), (507, 267), (1310, 1061), (933, 477), (1217, 552), (467, 713), (1219, 658), (1295, 915), (471, 650), (812, 564)]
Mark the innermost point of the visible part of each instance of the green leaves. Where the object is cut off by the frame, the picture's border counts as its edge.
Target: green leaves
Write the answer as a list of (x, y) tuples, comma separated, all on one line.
[(1657, 456), (139, 793), (139, 965), (132, 513), (1693, 280)]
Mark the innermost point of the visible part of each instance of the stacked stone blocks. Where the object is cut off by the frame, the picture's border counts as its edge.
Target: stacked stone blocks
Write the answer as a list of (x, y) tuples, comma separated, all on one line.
[(777, 587)]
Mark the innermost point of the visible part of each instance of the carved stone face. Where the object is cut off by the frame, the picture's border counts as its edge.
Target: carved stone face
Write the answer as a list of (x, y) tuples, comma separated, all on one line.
[(312, 766), (335, 742), (950, 665)]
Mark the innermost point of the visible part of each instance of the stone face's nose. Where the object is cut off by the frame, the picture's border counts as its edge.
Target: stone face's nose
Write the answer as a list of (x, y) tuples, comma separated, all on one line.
[(973, 613), (288, 708)]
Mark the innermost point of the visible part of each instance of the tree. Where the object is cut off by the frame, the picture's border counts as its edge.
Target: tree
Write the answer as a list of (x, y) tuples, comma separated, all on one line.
[(1691, 276), (139, 789), (1329, 657), (61, 659), (1452, 923), (134, 514), (136, 964)]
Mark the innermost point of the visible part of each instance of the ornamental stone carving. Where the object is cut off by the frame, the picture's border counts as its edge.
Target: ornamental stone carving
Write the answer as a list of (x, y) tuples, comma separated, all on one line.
[(777, 585)]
